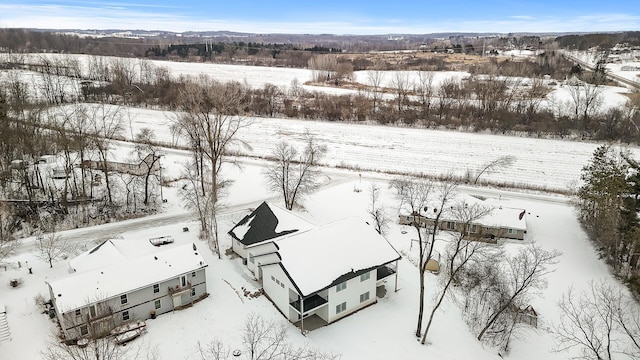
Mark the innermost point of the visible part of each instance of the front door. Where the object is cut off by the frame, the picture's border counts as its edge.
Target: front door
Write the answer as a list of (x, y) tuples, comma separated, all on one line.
[(177, 301)]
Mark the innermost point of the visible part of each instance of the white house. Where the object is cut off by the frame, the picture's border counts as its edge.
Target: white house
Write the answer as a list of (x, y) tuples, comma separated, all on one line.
[(327, 271), (109, 289)]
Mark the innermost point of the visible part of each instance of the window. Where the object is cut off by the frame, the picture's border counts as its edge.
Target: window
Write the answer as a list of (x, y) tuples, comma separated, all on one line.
[(123, 299), (273, 278), (125, 315), (156, 288), (78, 312), (342, 307), (450, 225), (183, 280), (158, 304), (473, 228), (364, 297), (512, 231), (193, 274), (365, 276), (282, 285), (193, 292), (92, 310), (341, 286), (84, 330), (251, 259)]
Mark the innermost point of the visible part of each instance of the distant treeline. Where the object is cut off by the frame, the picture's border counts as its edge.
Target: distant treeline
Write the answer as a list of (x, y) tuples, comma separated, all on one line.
[(207, 50), (604, 41)]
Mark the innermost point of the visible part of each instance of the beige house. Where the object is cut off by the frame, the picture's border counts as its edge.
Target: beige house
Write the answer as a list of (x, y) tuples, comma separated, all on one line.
[(502, 222)]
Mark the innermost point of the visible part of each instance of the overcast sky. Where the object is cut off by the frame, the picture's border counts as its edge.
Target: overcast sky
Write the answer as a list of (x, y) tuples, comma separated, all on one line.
[(326, 16)]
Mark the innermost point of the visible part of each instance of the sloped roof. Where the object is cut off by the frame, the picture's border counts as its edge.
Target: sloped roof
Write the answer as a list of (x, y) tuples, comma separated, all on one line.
[(268, 222), (500, 216), (330, 254), (111, 252), (504, 216), (80, 289), (104, 254)]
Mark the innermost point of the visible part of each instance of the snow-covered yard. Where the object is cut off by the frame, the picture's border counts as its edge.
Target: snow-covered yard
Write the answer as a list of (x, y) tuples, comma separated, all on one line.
[(384, 330)]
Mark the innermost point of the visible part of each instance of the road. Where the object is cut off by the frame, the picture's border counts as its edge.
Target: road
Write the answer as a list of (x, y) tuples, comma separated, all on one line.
[(614, 77), (332, 177)]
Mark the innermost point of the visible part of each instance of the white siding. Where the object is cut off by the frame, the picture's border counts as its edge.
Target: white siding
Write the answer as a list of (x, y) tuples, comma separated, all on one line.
[(351, 295), (139, 304), (258, 250), (239, 248), (277, 293)]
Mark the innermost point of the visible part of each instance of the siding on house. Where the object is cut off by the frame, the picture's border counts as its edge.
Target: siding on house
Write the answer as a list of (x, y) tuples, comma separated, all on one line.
[(92, 302), (505, 223), (351, 295)]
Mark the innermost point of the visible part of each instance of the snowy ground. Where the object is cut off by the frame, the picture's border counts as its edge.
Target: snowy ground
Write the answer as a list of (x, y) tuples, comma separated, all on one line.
[(381, 331), (384, 330), (543, 163)]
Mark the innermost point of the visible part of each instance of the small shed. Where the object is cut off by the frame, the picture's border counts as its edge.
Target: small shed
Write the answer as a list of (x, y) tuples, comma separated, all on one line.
[(528, 315)]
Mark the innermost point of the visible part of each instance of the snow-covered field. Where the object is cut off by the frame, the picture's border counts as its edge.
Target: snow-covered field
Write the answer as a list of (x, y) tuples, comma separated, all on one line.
[(382, 331), (543, 163)]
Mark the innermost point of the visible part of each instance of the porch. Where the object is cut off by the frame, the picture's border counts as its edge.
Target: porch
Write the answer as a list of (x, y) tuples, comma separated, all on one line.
[(311, 323), (385, 271), (309, 304)]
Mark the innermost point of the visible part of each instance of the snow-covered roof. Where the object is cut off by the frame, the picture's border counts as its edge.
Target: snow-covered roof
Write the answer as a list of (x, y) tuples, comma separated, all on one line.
[(504, 217), (104, 254), (268, 222), (318, 258), (500, 216), (82, 288), (111, 252)]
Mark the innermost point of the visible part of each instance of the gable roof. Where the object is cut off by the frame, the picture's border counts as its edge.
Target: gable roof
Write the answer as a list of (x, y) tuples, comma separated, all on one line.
[(500, 216), (82, 288), (268, 222), (318, 259)]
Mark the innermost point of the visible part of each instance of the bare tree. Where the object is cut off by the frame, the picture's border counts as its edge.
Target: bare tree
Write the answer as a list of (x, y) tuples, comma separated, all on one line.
[(426, 203), (380, 218), (294, 174), (263, 340), (210, 117), (374, 81), (401, 85), (148, 156), (423, 87), (8, 221), (524, 273), (500, 163), (50, 245), (600, 322), (461, 253), (323, 67), (106, 126), (587, 321), (585, 100), (103, 348)]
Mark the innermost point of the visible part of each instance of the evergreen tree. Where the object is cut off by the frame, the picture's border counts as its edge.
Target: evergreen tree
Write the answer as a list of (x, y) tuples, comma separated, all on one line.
[(608, 203)]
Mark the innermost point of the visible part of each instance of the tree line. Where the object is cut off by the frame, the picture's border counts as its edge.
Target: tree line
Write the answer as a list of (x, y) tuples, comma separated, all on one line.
[(608, 202)]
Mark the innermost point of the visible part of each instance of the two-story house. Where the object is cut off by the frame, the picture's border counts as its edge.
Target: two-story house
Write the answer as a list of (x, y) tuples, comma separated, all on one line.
[(110, 292), (326, 272)]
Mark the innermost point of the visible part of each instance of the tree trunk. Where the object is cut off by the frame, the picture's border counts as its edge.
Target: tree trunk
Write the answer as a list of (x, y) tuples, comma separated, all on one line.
[(433, 312)]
